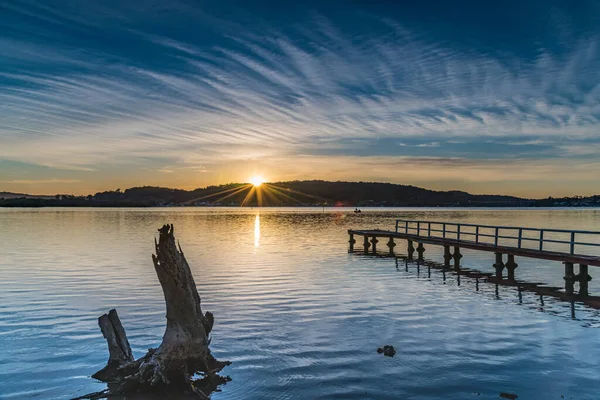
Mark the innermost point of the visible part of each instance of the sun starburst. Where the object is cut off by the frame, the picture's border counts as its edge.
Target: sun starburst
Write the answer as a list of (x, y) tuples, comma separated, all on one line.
[(257, 180)]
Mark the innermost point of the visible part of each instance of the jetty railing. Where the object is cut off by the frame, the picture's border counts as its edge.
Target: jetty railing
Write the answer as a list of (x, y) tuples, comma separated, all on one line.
[(521, 237), (493, 238)]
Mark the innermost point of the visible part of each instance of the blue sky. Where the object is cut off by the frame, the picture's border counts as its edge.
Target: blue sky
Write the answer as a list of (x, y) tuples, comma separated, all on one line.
[(488, 97)]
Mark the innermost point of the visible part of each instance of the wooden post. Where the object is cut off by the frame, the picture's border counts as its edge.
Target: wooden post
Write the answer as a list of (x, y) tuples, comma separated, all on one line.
[(447, 256), (511, 265), (366, 244), (374, 242), (584, 279), (391, 245), (411, 250), (457, 256), (420, 251), (499, 265), (351, 241), (569, 277)]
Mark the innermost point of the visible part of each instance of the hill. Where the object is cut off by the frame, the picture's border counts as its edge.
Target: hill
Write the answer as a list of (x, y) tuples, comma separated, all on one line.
[(388, 194), (10, 195), (291, 193)]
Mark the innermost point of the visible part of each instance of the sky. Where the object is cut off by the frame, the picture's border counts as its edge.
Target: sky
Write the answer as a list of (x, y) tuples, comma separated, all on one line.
[(482, 96)]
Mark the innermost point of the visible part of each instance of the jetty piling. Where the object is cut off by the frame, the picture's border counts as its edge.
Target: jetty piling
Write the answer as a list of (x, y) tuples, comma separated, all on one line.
[(511, 265), (410, 250), (501, 240), (499, 265), (457, 256), (420, 250), (569, 278), (447, 256), (374, 242), (391, 245), (583, 277)]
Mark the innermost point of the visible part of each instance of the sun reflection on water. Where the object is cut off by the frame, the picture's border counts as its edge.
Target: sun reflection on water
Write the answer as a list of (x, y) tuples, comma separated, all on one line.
[(257, 231)]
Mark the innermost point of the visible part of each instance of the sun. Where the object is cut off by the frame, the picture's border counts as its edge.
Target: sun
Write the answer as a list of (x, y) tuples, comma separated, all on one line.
[(256, 181)]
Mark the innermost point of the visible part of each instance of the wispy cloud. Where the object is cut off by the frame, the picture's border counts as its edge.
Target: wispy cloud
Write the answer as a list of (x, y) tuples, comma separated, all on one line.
[(431, 144), (270, 92)]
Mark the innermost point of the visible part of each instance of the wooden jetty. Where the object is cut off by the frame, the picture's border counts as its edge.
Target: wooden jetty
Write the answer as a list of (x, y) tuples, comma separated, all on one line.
[(548, 244)]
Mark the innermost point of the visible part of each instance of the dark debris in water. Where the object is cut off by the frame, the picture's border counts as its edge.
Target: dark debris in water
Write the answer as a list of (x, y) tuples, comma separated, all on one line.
[(510, 396), (387, 350)]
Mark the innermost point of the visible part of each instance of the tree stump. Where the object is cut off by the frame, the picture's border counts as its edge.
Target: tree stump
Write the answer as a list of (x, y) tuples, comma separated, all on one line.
[(184, 350)]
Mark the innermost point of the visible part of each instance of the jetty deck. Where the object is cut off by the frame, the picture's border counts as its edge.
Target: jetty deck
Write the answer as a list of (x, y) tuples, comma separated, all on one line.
[(567, 246)]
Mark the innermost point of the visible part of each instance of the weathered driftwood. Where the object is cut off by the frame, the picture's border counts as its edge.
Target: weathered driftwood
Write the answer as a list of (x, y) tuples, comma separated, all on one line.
[(118, 345), (184, 349)]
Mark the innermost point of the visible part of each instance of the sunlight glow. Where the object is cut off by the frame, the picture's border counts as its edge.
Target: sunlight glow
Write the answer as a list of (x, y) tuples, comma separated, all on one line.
[(257, 180)]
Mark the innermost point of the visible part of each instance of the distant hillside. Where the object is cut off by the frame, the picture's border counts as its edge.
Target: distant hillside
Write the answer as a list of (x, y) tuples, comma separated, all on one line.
[(9, 195), (388, 194), (575, 201), (292, 193)]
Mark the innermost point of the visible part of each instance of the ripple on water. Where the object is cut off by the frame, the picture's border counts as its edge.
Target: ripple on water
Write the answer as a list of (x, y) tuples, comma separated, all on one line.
[(298, 316)]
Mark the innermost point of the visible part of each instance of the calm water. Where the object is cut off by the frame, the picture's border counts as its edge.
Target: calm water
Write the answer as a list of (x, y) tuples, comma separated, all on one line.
[(298, 316)]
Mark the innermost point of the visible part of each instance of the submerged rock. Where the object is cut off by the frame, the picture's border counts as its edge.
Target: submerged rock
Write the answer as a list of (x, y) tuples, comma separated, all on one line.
[(387, 350)]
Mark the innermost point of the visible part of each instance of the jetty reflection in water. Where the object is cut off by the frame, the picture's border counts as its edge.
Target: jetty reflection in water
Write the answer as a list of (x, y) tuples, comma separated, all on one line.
[(512, 287)]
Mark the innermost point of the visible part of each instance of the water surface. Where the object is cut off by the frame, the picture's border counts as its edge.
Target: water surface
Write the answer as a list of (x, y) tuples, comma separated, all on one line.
[(297, 315)]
